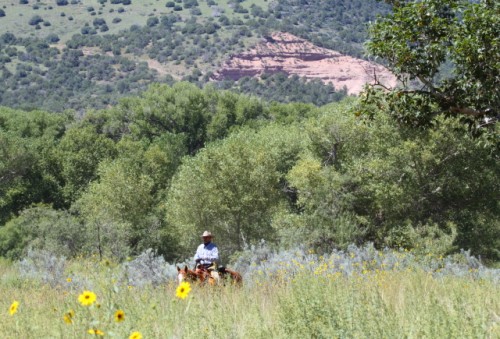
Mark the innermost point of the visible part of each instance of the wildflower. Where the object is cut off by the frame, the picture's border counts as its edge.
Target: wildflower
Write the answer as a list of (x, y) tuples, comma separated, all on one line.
[(68, 279), (96, 332), (13, 307), (87, 298), (68, 317), (183, 290), (119, 316), (135, 335)]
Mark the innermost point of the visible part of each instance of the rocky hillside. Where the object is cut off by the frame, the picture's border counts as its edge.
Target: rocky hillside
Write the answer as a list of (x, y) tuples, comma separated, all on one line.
[(284, 52)]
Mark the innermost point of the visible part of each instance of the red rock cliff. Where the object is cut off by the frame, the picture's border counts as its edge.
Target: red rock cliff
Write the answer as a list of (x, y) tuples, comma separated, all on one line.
[(284, 52)]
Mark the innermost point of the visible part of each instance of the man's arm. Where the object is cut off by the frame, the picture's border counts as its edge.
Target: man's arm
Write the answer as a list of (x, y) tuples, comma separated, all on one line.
[(197, 256)]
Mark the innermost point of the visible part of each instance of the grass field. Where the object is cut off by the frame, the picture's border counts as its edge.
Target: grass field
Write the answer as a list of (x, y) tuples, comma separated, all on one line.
[(75, 17), (409, 303)]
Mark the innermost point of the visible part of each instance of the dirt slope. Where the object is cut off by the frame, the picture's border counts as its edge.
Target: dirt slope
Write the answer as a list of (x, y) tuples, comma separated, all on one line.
[(284, 52)]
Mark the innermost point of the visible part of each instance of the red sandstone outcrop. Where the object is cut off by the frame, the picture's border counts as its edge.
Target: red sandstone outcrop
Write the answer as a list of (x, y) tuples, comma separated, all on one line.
[(284, 52)]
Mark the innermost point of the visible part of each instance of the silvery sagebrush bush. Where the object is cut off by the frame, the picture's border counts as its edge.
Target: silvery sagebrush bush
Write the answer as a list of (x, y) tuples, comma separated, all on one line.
[(44, 266), (261, 261), (149, 268)]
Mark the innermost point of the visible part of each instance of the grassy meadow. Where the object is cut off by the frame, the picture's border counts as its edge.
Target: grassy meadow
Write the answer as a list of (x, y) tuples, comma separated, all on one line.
[(293, 301)]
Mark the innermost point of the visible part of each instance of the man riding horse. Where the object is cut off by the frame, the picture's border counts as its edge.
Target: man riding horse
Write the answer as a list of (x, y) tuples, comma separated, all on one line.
[(207, 269)]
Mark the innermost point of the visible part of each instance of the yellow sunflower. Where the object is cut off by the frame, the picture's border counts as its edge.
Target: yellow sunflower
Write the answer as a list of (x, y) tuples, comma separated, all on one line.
[(87, 298), (68, 317), (183, 290), (13, 307), (119, 316), (96, 332), (135, 335)]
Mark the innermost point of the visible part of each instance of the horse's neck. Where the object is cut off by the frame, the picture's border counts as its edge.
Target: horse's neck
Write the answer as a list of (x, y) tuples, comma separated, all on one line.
[(191, 275)]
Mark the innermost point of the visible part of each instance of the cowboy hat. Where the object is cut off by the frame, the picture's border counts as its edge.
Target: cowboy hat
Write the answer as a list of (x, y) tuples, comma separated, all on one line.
[(206, 234)]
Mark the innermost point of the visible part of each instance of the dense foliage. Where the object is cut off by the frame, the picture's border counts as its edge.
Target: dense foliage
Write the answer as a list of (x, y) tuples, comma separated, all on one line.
[(420, 37), (156, 170)]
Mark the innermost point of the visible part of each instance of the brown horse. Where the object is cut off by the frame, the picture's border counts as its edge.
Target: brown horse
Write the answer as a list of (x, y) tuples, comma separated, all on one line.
[(198, 275), (212, 276)]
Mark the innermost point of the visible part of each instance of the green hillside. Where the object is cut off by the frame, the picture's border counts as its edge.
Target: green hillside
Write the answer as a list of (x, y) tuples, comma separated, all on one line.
[(89, 53)]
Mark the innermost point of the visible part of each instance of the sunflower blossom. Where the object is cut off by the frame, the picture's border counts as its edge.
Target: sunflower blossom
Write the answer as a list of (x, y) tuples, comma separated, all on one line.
[(13, 307), (135, 335), (87, 298), (183, 290), (119, 316), (96, 332), (68, 317)]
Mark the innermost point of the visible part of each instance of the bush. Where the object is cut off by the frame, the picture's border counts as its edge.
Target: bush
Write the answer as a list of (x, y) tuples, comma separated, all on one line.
[(52, 38), (35, 20), (148, 268), (99, 22), (44, 266), (153, 21), (41, 228)]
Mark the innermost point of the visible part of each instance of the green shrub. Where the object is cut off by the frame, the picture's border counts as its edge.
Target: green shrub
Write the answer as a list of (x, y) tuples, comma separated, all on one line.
[(42, 228)]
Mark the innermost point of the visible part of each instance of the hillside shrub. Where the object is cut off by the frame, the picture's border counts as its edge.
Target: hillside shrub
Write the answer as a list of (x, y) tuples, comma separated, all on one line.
[(35, 20)]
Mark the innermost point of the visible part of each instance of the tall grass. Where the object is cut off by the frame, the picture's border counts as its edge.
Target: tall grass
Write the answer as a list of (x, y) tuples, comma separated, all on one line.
[(316, 303)]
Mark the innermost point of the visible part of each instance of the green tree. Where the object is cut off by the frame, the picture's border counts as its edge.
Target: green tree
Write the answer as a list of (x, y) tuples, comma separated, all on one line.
[(115, 210), (80, 152), (183, 110), (397, 186), (28, 163), (233, 187), (419, 38)]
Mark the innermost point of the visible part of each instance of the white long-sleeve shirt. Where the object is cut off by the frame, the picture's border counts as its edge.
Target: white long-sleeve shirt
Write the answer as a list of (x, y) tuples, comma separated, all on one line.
[(207, 253)]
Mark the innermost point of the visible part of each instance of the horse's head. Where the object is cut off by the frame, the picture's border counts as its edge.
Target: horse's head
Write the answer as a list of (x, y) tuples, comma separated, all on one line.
[(185, 274)]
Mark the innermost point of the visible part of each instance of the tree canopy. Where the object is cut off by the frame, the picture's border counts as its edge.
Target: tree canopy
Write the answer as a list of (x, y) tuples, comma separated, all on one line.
[(446, 55)]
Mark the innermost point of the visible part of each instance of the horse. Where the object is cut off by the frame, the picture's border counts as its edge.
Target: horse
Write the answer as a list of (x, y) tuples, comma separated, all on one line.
[(198, 275), (213, 275)]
